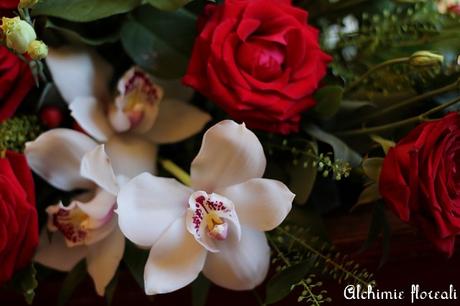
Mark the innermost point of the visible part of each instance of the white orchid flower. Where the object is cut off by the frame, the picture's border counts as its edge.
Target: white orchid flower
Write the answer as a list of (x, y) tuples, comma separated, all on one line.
[(216, 226), (150, 108), (70, 160)]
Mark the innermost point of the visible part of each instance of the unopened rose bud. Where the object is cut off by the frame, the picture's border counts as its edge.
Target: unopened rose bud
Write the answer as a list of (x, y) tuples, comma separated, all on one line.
[(37, 50), (27, 3), (18, 34), (425, 58)]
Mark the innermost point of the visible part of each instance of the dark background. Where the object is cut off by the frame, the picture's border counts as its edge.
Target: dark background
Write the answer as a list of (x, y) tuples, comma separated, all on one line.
[(412, 261)]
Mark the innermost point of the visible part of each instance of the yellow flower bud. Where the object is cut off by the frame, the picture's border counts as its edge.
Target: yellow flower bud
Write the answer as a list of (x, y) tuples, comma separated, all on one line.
[(18, 33), (37, 50), (27, 3), (425, 58)]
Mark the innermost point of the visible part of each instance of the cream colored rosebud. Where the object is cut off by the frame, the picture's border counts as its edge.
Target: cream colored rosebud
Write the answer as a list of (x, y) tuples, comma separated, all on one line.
[(37, 50), (18, 33), (425, 58), (27, 3)]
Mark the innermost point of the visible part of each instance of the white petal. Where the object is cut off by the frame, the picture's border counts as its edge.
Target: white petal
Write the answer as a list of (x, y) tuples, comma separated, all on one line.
[(174, 261), (103, 259), (79, 72), (230, 154), (56, 254), (56, 157), (173, 89), (97, 167), (177, 121), (148, 205), (260, 203), (90, 115), (99, 206), (131, 155), (239, 265)]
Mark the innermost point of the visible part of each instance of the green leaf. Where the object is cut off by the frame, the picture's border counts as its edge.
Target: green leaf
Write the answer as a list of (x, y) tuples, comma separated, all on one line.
[(200, 289), (75, 36), (160, 42), (341, 150), (385, 143), (372, 167), (135, 260), (280, 285), (84, 10), (328, 100), (73, 279), (168, 5), (352, 106), (369, 195), (303, 176), (25, 281)]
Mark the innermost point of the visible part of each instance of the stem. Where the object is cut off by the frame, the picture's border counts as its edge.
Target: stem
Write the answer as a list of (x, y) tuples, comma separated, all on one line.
[(326, 259), (288, 263), (406, 103), (176, 171), (373, 69), (390, 126), (258, 298)]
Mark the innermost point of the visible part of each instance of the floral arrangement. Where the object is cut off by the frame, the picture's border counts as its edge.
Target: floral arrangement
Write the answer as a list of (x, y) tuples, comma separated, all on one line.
[(192, 142)]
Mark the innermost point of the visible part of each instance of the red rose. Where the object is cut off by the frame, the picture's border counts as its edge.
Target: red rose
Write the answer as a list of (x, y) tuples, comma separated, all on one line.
[(9, 4), (454, 9), (15, 82), (18, 215), (259, 60), (420, 180)]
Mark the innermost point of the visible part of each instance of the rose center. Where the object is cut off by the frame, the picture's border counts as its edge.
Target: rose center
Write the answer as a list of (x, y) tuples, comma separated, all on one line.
[(261, 59), (208, 218)]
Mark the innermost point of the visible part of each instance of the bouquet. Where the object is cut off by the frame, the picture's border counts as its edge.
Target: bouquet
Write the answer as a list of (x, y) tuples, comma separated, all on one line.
[(195, 142)]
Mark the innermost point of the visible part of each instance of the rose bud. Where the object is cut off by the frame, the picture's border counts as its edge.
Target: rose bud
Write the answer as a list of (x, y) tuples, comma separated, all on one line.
[(37, 50), (425, 58), (18, 33)]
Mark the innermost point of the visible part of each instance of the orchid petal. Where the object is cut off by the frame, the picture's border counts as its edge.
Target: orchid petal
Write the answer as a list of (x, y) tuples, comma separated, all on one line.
[(79, 72), (97, 167), (177, 121), (240, 265), (56, 155), (103, 259), (261, 204), (55, 254), (131, 155), (90, 115), (148, 205), (100, 206), (175, 260), (230, 154)]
